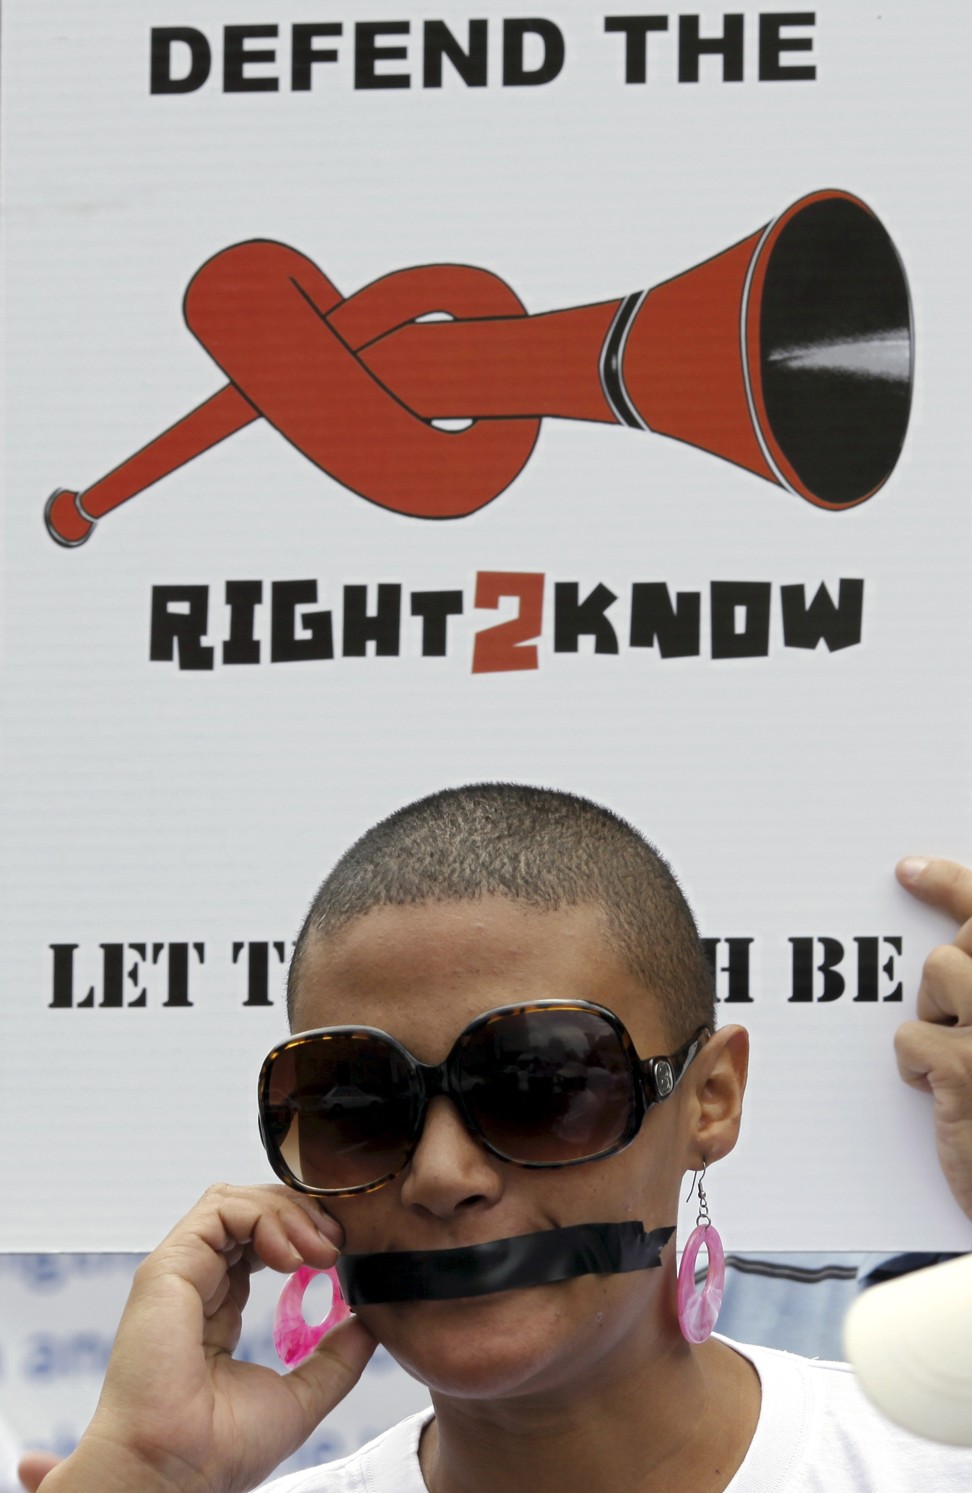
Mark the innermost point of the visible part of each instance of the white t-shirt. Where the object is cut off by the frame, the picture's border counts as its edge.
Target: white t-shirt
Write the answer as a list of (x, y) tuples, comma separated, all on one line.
[(816, 1434)]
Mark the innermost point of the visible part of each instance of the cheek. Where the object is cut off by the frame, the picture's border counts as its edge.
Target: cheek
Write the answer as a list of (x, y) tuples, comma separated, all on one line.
[(638, 1183), (368, 1221)]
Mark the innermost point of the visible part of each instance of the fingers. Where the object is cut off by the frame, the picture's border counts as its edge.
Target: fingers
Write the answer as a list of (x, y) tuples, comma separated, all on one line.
[(34, 1467), (331, 1371), (945, 992), (253, 1226), (938, 1060), (946, 885), (223, 1324), (198, 1278), (934, 1053), (235, 1285)]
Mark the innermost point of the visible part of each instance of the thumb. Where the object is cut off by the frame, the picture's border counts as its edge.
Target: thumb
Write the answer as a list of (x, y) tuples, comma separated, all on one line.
[(331, 1371), (34, 1467)]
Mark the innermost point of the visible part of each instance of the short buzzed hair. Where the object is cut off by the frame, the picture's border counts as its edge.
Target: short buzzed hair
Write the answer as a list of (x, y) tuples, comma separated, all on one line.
[(538, 846)]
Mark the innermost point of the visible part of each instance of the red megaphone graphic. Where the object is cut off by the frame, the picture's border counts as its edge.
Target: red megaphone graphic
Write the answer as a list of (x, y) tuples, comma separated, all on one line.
[(789, 354)]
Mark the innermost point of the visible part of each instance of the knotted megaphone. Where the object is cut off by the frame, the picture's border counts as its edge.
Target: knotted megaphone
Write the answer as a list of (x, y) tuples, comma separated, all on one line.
[(789, 354)]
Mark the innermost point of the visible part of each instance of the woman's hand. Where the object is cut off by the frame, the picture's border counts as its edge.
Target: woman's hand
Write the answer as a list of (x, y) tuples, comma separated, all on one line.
[(935, 1052), (177, 1411)]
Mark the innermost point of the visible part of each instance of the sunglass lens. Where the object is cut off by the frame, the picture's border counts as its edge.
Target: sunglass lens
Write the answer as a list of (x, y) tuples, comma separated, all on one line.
[(339, 1110), (548, 1085)]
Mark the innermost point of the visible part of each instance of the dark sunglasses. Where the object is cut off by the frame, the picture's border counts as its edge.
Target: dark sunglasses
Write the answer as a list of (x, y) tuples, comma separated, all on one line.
[(549, 1084)]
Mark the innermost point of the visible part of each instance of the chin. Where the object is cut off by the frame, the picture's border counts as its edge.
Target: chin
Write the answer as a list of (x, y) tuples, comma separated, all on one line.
[(486, 1347)]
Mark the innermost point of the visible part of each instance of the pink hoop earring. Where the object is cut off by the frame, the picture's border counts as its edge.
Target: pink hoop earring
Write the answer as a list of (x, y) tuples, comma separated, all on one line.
[(293, 1337), (698, 1310)]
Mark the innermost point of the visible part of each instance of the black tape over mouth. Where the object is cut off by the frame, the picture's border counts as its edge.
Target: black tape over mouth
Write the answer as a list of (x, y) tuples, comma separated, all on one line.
[(501, 1264)]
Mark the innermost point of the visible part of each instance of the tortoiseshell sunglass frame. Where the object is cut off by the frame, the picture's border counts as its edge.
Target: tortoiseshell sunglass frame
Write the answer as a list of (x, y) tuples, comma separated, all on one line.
[(653, 1080)]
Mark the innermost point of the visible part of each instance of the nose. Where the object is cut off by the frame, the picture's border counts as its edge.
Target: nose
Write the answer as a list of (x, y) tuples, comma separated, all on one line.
[(450, 1171)]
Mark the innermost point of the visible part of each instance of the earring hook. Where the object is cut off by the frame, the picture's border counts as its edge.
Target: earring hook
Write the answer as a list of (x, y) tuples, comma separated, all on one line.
[(701, 1180)]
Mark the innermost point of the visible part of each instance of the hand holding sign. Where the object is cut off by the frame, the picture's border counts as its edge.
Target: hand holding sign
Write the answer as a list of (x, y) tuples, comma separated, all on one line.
[(935, 1052)]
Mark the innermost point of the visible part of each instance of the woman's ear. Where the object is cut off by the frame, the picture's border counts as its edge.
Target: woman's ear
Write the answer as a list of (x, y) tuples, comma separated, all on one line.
[(716, 1084)]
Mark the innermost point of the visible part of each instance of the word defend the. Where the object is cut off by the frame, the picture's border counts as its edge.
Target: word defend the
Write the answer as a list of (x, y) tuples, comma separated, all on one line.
[(511, 53)]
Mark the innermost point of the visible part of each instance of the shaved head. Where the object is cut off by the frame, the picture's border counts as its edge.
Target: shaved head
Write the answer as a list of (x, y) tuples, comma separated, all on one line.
[(543, 848)]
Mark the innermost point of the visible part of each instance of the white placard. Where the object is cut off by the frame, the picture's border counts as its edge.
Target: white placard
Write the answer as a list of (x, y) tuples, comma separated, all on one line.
[(193, 734)]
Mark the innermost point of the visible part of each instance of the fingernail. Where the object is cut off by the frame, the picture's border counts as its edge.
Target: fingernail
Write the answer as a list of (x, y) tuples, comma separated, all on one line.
[(912, 868)]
